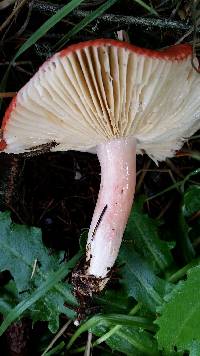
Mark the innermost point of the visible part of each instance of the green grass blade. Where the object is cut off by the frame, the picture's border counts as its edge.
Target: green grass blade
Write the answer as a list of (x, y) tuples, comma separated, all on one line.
[(99, 11), (176, 276), (128, 320), (113, 319), (193, 173), (42, 290), (112, 331), (51, 22)]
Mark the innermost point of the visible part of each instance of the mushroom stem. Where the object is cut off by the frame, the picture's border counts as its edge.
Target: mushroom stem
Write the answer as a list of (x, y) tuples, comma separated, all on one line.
[(118, 175)]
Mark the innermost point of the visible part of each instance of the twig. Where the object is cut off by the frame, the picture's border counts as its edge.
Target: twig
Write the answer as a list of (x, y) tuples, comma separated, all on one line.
[(120, 20), (34, 268), (58, 335), (8, 94), (15, 64), (187, 34), (89, 344), (5, 3), (25, 24), (13, 13)]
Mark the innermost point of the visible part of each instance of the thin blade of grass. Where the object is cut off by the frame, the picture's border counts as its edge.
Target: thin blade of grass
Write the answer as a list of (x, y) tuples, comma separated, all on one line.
[(51, 282), (113, 319), (114, 329), (193, 173), (176, 276), (180, 184), (51, 22), (83, 23), (56, 337)]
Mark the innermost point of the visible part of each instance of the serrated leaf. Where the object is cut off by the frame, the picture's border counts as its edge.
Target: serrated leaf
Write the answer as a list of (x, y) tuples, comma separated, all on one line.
[(48, 285), (51, 306), (191, 200), (180, 315), (143, 231), (20, 247), (140, 280), (28, 260)]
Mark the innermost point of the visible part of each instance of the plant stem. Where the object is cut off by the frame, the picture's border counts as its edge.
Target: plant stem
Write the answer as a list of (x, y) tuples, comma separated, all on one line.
[(182, 272)]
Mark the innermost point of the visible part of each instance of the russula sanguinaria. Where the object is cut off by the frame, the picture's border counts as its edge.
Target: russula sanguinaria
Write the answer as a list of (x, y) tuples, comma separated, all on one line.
[(114, 99)]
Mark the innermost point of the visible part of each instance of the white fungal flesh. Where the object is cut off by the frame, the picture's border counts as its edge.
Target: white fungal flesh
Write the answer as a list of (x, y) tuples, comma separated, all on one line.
[(98, 93)]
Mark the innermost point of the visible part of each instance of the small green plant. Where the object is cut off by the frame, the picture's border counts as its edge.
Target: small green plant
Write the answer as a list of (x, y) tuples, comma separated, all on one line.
[(154, 311), (36, 289)]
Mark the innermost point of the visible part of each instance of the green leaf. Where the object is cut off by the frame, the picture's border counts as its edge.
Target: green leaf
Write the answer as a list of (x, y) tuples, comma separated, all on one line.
[(44, 288), (128, 340), (140, 340), (179, 230), (114, 301), (180, 315), (191, 200), (36, 273), (140, 280), (182, 229), (51, 306), (143, 231), (21, 248)]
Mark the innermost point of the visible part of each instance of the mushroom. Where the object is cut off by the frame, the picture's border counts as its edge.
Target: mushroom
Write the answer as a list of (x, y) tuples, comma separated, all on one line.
[(116, 100)]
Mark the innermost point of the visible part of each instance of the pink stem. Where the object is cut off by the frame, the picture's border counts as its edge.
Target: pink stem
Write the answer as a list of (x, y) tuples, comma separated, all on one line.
[(118, 175)]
